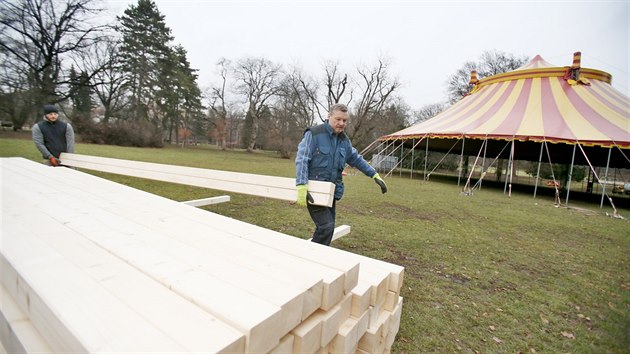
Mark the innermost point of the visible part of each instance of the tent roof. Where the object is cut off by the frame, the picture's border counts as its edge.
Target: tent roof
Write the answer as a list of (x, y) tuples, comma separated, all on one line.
[(535, 103)]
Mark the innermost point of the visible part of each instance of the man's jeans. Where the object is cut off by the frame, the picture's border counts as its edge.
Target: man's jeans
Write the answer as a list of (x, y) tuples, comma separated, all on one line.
[(324, 219)]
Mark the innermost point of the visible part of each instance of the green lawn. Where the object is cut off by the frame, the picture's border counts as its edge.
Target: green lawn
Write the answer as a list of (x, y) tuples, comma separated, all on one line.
[(484, 273)]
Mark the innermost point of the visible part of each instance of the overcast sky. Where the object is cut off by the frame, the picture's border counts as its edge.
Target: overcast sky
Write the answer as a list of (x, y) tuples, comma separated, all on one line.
[(425, 41)]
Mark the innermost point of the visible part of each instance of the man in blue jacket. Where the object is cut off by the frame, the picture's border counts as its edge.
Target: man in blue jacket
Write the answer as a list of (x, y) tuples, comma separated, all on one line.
[(322, 155)]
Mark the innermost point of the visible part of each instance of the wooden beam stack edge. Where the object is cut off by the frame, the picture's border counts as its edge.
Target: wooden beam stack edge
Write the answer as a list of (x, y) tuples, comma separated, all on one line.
[(89, 265)]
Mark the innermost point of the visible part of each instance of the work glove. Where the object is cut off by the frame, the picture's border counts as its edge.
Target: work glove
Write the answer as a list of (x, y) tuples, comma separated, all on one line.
[(380, 183), (54, 161), (303, 195)]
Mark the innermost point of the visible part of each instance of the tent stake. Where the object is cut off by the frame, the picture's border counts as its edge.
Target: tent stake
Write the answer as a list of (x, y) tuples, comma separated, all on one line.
[(566, 201), (538, 169), (601, 204)]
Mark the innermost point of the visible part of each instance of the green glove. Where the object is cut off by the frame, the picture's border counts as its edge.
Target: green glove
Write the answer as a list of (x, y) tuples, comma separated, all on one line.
[(380, 183), (303, 194)]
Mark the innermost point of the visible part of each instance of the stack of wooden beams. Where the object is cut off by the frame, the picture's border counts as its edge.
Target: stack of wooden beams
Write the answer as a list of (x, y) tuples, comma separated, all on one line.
[(89, 265)]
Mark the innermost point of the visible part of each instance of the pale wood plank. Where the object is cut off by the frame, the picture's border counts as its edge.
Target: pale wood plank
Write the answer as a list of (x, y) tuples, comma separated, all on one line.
[(361, 295), (350, 270), (285, 346), (17, 333), (160, 222), (339, 231), (264, 186), (245, 230), (391, 301), (373, 341), (251, 236), (257, 317), (308, 334), (333, 318), (207, 201), (346, 341), (187, 324), (65, 305), (253, 316), (394, 322)]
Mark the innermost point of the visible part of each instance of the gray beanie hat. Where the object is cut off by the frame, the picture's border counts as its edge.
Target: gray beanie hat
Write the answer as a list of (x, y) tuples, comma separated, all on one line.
[(49, 108)]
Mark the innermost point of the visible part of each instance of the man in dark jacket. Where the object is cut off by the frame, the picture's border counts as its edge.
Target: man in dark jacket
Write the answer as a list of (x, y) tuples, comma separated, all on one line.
[(52, 136), (322, 155)]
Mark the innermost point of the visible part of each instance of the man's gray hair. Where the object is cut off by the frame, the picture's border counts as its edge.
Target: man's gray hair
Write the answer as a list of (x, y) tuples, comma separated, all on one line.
[(338, 107)]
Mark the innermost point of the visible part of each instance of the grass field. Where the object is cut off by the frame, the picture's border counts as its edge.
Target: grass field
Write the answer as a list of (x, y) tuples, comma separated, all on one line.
[(484, 273)]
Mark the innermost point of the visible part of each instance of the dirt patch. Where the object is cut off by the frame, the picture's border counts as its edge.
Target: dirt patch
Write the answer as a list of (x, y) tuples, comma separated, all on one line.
[(391, 210)]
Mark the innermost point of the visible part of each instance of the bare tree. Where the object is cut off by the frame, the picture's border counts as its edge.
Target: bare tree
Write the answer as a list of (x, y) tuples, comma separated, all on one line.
[(376, 88), (108, 82), (491, 63), (38, 35), (300, 92), (458, 84), (295, 109), (497, 62), (337, 85), (257, 81), (427, 112), (218, 103)]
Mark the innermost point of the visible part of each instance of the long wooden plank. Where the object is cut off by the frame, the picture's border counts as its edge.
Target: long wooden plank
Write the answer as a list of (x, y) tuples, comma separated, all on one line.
[(191, 327), (17, 333), (264, 186), (102, 220), (339, 231), (164, 222), (68, 308), (207, 201), (259, 319), (256, 234), (101, 225), (200, 221)]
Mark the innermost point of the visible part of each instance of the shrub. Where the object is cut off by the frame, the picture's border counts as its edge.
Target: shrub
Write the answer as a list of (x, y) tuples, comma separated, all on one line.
[(123, 133)]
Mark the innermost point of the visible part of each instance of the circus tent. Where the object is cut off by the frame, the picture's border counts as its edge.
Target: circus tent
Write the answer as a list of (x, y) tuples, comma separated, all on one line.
[(572, 113)]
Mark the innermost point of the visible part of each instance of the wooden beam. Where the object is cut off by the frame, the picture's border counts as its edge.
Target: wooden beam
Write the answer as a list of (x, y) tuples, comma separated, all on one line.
[(277, 292), (244, 183), (17, 333), (339, 231), (207, 201), (184, 323)]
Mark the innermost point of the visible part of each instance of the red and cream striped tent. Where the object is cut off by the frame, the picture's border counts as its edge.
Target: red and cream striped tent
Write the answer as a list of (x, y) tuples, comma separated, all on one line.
[(573, 111)]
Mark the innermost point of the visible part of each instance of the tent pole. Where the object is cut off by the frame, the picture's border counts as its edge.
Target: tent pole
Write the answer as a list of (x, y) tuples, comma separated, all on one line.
[(566, 201), (413, 142), (508, 168), (483, 162), (402, 146), (426, 159), (538, 169), (601, 203), (461, 161)]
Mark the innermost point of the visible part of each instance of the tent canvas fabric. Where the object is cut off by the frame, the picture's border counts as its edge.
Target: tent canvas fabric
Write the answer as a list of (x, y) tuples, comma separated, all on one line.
[(533, 104)]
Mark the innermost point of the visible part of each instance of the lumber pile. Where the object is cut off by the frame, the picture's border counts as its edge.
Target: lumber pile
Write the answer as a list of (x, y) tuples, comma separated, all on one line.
[(88, 265), (263, 186)]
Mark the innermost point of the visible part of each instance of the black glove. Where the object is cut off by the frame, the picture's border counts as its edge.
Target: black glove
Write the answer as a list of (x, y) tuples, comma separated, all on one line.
[(380, 183)]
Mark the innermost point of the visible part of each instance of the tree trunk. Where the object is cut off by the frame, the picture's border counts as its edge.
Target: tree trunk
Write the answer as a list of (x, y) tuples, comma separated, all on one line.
[(254, 133)]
